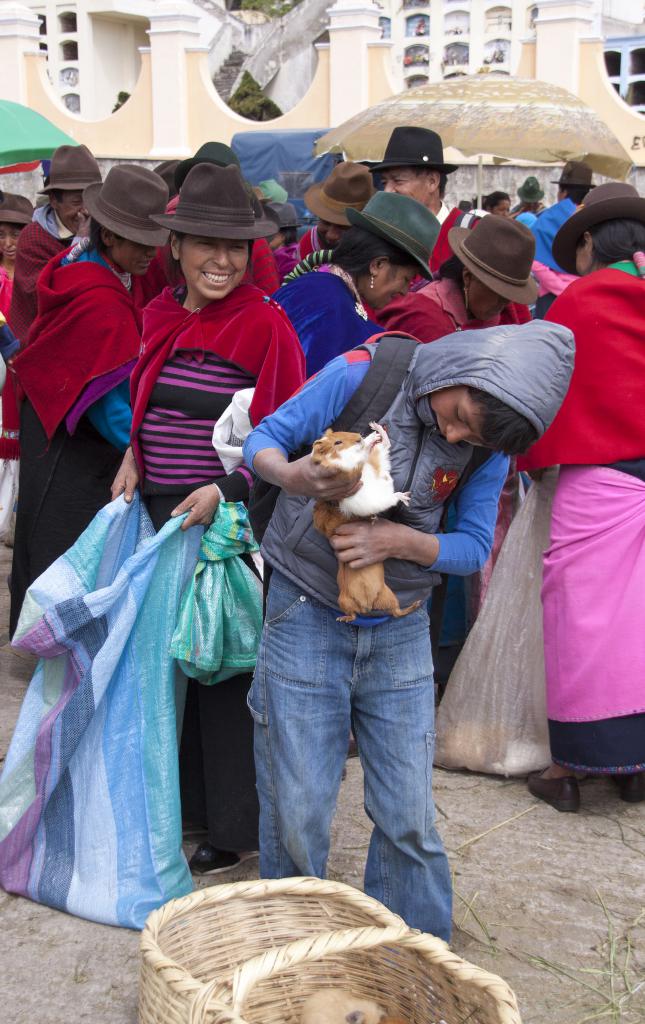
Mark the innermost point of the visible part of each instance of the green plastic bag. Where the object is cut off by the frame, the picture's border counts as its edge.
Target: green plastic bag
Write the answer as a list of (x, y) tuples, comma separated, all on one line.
[(220, 618)]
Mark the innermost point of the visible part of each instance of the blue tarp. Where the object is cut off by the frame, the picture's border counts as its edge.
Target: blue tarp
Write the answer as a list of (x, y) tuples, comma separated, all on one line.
[(288, 157)]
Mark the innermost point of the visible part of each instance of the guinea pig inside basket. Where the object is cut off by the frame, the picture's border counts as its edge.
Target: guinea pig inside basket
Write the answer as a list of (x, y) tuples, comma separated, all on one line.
[(340, 1006)]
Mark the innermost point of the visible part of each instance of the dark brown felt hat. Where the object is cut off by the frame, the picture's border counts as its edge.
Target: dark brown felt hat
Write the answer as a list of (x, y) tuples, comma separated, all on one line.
[(499, 252), (614, 201), (127, 201), (214, 203), (15, 209), (348, 187), (575, 172), (72, 168)]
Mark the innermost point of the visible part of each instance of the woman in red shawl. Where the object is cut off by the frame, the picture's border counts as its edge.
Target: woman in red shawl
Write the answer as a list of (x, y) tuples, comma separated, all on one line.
[(202, 343), (592, 593), (75, 417)]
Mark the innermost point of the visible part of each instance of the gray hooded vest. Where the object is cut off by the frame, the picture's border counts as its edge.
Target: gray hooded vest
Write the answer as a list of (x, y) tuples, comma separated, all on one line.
[(527, 367)]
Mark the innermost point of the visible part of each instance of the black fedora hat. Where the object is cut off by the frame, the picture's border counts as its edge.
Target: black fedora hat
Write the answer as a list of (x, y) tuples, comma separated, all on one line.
[(414, 147), (214, 203), (401, 221), (614, 201), (127, 201), (210, 153)]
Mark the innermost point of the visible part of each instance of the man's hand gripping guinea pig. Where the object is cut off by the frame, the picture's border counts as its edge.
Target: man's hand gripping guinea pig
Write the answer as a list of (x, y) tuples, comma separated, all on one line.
[(361, 547)]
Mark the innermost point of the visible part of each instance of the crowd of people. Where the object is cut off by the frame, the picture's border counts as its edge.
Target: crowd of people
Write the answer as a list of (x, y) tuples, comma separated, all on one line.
[(138, 309)]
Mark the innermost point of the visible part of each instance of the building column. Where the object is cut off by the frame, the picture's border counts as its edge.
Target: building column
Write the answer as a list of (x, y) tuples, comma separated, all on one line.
[(19, 34), (560, 27), (174, 28), (352, 26)]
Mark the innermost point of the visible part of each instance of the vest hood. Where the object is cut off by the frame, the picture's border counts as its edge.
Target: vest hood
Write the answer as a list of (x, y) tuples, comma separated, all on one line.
[(527, 366)]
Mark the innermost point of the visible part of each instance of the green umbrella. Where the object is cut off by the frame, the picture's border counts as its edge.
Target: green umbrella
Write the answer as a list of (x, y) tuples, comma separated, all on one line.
[(26, 136)]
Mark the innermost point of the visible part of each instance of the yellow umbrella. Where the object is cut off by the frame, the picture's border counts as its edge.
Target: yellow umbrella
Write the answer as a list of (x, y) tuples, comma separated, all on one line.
[(510, 118)]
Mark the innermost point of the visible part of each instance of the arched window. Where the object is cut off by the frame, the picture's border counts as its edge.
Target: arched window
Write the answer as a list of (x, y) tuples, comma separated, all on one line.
[(414, 81), (498, 19), (68, 77), (69, 50), (497, 51), (385, 25), (73, 102), (456, 55), (416, 56), (417, 25), (612, 63), (637, 62), (456, 23), (67, 22)]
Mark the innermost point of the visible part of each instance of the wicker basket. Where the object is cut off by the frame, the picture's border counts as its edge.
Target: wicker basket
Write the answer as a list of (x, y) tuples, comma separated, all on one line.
[(252, 952)]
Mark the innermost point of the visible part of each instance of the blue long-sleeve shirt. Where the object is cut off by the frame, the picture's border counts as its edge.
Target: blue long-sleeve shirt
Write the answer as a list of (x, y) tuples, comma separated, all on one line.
[(111, 415), (301, 420)]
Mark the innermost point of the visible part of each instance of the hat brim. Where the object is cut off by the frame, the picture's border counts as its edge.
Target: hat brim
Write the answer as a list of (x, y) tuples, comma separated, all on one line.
[(566, 240), (314, 201), (530, 199), (387, 165), (14, 217), (262, 228), (419, 253), (69, 186), (525, 293), (142, 235)]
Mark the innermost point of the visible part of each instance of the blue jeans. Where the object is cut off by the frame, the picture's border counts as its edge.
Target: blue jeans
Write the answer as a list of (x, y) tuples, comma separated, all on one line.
[(314, 678)]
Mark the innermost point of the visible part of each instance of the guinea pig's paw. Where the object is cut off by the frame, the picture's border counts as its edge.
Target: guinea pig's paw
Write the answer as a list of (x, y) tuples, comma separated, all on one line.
[(382, 433), (403, 496)]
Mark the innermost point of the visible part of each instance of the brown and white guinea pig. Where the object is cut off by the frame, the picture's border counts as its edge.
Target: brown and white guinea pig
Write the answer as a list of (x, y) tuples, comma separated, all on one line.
[(367, 458), (340, 1006)]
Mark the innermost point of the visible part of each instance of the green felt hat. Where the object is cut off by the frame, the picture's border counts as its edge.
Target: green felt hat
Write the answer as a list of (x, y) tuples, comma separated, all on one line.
[(210, 153), (530, 191), (401, 221), (272, 192)]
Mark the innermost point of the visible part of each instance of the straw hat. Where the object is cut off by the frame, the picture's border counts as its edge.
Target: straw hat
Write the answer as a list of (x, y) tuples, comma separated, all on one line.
[(614, 201), (72, 169), (15, 209), (214, 203), (402, 222), (126, 202), (499, 252), (349, 186)]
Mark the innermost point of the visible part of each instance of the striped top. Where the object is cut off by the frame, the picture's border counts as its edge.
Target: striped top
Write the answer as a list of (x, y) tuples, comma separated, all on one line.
[(176, 434)]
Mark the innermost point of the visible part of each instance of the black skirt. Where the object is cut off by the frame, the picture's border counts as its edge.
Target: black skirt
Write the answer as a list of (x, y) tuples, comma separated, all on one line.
[(217, 768), (62, 485)]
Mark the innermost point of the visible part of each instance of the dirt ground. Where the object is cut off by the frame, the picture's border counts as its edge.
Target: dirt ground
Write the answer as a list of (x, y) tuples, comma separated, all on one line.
[(553, 903)]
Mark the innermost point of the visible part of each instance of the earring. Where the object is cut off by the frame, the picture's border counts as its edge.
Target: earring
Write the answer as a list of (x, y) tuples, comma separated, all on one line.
[(371, 280)]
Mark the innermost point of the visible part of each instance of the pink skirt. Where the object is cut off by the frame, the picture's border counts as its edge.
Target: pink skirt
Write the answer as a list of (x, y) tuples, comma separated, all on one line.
[(593, 596)]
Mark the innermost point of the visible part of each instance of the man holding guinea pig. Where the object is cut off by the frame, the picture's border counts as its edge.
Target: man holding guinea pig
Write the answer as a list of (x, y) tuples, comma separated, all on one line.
[(470, 399)]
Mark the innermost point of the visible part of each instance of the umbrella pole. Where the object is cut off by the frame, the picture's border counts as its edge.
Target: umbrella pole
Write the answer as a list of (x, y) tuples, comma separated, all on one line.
[(480, 179)]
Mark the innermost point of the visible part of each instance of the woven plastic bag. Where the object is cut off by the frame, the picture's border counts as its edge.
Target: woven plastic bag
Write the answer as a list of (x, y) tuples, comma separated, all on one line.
[(493, 715), (220, 619)]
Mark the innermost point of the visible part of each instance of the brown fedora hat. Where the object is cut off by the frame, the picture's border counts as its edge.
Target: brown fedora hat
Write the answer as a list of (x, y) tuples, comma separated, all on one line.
[(499, 252), (214, 203), (126, 202), (614, 201), (72, 168), (15, 209), (349, 186), (575, 172)]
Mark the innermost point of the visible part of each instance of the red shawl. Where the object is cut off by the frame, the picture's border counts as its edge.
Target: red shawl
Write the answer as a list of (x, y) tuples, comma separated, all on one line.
[(601, 419), (36, 247), (434, 311), (87, 326), (245, 328)]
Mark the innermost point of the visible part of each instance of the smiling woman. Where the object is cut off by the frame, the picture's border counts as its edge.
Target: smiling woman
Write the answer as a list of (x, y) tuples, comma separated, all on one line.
[(202, 343)]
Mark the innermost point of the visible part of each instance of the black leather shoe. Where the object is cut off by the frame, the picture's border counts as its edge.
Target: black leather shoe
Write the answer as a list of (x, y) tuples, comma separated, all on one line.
[(563, 794), (631, 788), (206, 860)]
